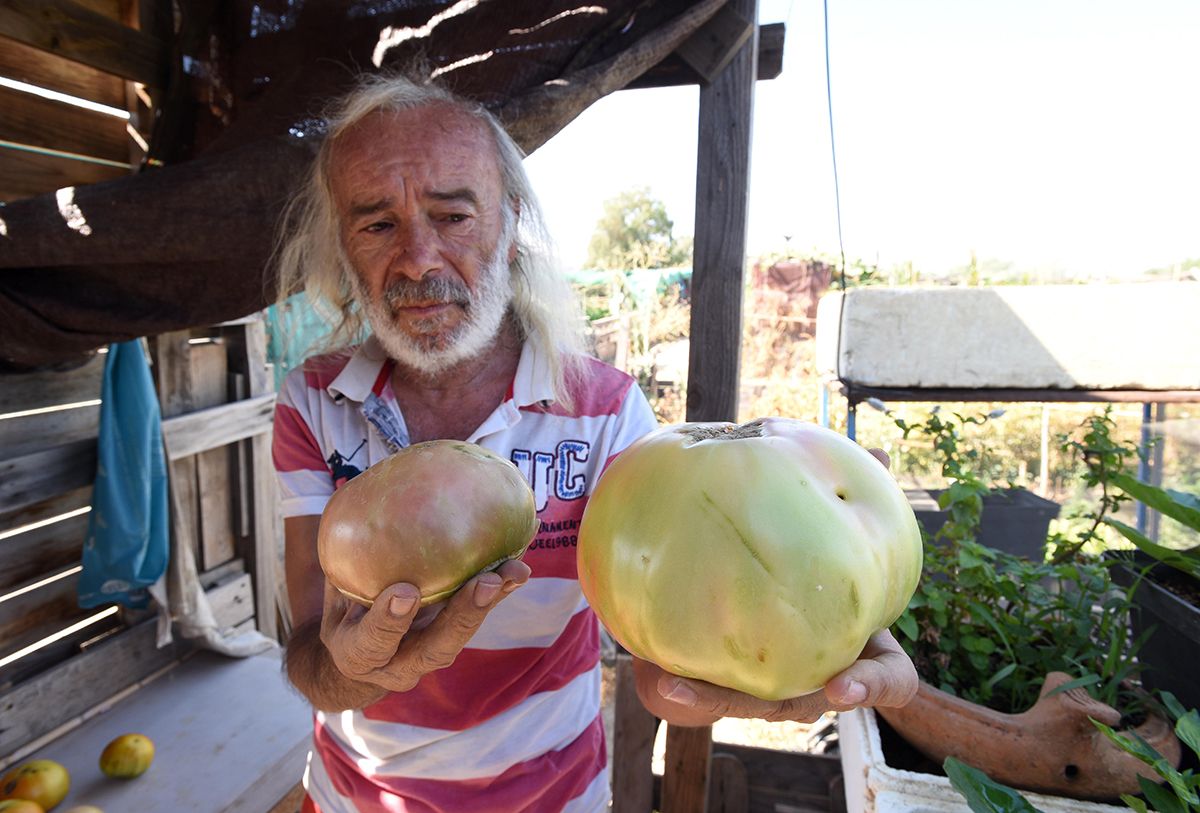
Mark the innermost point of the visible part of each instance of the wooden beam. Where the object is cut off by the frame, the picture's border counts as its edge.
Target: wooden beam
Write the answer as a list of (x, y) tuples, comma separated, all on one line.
[(25, 174), (211, 428), (46, 549), (634, 729), (37, 122), (722, 194), (673, 71), (37, 476), (857, 394), (45, 70), (74, 32), (718, 41)]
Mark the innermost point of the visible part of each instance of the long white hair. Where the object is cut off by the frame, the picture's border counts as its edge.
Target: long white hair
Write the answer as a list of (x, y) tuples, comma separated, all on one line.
[(309, 255)]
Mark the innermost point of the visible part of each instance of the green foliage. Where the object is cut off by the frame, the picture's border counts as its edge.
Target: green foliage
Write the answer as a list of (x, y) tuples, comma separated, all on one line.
[(982, 794), (988, 626), (635, 232)]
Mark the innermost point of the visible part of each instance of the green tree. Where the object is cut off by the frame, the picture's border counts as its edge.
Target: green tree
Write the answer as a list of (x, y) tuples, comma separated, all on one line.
[(635, 232)]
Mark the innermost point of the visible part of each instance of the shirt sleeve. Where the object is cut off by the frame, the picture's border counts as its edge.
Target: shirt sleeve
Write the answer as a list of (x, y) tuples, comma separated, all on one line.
[(305, 482)]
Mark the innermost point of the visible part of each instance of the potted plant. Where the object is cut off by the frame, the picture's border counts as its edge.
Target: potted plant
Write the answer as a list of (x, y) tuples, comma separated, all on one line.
[(1164, 582), (1010, 648)]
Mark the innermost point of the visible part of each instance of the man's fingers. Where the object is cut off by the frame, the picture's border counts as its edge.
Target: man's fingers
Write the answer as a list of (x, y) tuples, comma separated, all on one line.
[(881, 456), (720, 702), (883, 676), (370, 641)]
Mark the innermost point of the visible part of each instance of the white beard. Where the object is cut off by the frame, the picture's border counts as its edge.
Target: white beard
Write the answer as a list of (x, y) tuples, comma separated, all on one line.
[(431, 350)]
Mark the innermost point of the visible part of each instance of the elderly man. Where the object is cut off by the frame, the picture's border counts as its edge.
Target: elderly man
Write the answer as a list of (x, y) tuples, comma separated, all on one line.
[(418, 219)]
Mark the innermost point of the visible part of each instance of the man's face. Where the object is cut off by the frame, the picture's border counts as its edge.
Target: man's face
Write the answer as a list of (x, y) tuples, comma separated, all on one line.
[(427, 232)]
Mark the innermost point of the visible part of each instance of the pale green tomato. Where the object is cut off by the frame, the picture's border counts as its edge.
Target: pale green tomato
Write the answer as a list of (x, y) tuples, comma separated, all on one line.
[(433, 515), (758, 557)]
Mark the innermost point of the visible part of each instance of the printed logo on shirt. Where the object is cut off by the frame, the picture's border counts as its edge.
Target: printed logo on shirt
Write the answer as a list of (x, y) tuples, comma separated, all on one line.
[(561, 472), (340, 467)]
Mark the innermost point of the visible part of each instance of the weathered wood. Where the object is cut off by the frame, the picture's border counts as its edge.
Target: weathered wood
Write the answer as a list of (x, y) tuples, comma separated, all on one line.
[(46, 702), (37, 612), (205, 429), (728, 787), (29, 433), (634, 729), (34, 121), (43, 550), (213, 466), (46, 509), (674, 72), (38, 476), (77, 33), (710, 50), (26, 174), (778, 781), (233, 600), (93, 626), (36, 67), (722, 193), (22, 391), (686, 770), (857, 394)]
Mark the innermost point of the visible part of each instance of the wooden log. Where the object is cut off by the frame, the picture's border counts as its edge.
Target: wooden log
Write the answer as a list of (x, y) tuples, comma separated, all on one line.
[(37, 122), (77, 33), (710, 50)]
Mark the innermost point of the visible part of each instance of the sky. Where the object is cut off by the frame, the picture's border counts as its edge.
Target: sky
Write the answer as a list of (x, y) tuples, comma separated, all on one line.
[(1046, 136)]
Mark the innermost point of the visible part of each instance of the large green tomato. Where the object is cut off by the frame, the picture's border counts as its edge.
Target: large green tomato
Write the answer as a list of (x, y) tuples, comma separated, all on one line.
[(758, 557), (433, 515)]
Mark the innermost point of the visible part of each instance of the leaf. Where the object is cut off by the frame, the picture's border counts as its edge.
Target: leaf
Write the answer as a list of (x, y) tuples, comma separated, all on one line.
[(908, 625), (984, 795), (1086, 680), (1186, 560), (1177, 505), (1138, 747), (1162, 799), (1134, 803), (1000, 675), (1187, 729)]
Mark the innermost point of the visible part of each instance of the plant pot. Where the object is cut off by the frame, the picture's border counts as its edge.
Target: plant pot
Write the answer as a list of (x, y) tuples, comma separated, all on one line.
[(876, 783), (1171, 652), (1051, 748), (1014, 520)]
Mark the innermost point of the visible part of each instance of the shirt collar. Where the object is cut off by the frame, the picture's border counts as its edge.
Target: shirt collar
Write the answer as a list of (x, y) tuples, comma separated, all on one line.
[(533, 383), (358, 377)]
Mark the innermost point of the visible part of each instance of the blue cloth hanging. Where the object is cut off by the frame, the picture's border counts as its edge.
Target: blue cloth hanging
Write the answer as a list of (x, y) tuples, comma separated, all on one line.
[(127, 541)]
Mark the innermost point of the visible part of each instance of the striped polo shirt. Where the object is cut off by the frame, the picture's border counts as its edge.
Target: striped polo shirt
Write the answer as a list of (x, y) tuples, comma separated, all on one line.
[(514, 724)]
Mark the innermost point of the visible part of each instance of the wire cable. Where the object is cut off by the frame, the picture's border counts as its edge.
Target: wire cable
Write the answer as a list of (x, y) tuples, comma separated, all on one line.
[(837, 194)]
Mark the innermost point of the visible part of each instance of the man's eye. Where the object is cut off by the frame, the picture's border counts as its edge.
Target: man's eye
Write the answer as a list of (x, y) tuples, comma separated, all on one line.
[(456, 217), (376, 228)]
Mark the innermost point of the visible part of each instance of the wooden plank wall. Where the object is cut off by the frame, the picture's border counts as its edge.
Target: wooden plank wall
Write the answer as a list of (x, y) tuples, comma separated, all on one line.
[(90, 50)]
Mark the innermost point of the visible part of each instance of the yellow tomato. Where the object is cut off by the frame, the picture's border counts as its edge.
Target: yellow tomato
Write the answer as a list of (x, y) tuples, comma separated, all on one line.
[(43, 781), (84, 809), (20, 806), (127, 756)]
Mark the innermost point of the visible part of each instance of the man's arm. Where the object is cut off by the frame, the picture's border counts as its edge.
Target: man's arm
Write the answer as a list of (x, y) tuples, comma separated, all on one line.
[(309, 665), (346, 656)]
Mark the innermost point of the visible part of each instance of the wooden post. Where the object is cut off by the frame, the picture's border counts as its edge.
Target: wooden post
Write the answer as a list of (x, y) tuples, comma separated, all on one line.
[(722, 190), (634, 729)]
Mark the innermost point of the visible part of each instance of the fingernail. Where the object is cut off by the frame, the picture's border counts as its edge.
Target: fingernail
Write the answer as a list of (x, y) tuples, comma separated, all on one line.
[(679, 692), (855, 693), (509, 586), (485, 591), (401, 605)]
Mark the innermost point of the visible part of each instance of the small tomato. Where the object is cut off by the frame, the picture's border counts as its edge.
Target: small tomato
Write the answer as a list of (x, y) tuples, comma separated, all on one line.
[(43, 781), (21, 806), (127, 756)]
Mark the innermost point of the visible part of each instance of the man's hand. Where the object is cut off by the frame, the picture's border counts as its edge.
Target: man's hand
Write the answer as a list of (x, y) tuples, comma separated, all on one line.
[(883, 675), (380, 645)]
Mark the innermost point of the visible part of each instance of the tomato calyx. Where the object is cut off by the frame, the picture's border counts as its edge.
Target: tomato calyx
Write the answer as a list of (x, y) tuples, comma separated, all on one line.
[(722, 431)]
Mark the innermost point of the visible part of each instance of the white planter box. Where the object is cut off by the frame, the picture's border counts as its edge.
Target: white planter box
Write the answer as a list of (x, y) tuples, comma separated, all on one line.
[(873, 786)]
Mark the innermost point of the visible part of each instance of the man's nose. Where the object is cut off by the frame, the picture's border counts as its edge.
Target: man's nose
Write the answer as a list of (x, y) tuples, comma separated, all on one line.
[(416, 254)]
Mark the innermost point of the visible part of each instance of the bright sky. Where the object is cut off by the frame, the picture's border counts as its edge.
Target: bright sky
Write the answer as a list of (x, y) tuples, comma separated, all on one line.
[(1052, 134)]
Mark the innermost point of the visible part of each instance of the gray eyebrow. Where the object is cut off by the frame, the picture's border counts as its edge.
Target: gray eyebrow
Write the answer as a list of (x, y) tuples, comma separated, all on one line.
[(462, 193)]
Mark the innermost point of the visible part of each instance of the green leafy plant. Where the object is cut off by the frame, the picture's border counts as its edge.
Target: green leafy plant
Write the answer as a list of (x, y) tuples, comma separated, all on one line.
[(988, 626), (1178, 792)]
